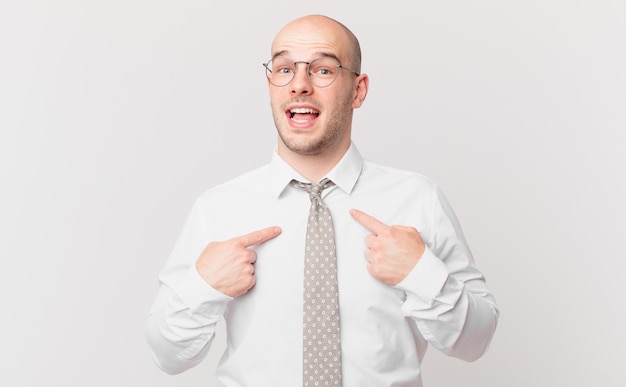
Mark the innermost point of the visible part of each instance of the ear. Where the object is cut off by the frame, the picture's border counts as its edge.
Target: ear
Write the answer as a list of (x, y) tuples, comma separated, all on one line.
[(361, 83)]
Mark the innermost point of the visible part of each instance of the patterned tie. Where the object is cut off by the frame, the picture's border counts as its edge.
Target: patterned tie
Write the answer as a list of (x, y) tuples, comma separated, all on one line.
[(321, 339)]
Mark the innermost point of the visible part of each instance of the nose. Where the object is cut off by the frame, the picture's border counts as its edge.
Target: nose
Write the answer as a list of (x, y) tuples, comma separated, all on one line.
[(301, 83)]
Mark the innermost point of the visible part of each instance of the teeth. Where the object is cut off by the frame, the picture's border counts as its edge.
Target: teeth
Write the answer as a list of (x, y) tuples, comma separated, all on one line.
[(303, 111)]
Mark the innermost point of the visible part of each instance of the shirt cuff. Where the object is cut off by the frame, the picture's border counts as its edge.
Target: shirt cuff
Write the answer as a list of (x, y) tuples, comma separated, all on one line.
[(427, 278), (196, 293)]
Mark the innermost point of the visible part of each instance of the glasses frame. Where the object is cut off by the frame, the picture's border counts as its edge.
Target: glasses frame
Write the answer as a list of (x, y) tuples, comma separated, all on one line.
[(268, 71)]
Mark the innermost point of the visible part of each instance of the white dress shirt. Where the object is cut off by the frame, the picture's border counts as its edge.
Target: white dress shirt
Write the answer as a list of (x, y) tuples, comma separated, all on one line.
[(385, 329)]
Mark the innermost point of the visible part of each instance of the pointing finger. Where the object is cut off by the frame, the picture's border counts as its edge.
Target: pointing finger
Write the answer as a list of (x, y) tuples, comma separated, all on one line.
[(369, 222), (259, 236)]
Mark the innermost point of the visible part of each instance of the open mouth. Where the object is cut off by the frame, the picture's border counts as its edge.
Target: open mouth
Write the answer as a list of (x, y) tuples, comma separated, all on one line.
[(303, 115)]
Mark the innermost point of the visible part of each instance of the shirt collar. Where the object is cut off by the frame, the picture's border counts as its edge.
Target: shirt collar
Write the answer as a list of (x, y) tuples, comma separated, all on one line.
[(345, 174)]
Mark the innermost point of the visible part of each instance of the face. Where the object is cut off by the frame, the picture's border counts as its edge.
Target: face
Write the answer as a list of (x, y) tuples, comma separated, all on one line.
[(312, 120)]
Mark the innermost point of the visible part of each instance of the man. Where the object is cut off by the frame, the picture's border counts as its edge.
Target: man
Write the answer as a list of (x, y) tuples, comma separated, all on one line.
[(382, 292)]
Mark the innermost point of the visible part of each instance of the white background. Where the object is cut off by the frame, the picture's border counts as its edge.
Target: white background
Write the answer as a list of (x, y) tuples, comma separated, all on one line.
[(115, 115)]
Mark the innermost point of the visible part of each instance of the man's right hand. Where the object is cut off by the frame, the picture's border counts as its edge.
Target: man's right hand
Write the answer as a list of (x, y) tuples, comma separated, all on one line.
[(229, 266)]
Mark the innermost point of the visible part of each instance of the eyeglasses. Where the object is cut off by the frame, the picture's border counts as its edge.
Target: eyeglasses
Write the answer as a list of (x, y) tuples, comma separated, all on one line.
[(322, 72)]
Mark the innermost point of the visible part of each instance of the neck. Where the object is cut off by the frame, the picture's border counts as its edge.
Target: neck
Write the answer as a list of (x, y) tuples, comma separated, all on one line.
[(313, 167)]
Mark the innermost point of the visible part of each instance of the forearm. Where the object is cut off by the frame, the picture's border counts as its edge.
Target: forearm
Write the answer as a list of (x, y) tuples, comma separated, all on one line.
[(456, 314), (181, 324)]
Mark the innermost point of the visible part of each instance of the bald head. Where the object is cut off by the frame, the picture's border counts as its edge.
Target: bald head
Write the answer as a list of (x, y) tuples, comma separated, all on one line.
[(305, 29)]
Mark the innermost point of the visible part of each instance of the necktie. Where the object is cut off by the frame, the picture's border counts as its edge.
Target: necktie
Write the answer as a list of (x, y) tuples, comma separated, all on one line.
[(321, 339)]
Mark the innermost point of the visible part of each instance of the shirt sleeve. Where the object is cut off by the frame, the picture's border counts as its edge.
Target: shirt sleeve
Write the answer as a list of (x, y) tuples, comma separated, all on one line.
[(447, 296), (181, 323)]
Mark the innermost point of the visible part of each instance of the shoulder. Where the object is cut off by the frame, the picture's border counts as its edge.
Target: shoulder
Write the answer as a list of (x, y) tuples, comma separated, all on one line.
[(378, 174), (253, 182)]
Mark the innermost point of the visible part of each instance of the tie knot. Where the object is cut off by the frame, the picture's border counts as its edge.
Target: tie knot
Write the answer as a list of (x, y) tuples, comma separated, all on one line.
[(314, 190)]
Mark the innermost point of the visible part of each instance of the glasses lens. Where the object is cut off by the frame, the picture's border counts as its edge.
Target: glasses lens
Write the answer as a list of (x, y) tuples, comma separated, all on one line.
[(323, 71), (280, 71)]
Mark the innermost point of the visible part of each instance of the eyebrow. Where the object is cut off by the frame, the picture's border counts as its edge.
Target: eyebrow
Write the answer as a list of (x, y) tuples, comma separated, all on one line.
[(319, 55)]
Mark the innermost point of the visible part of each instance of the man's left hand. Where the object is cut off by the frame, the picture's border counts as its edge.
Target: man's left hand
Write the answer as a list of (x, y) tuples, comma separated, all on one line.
[(392, 251)]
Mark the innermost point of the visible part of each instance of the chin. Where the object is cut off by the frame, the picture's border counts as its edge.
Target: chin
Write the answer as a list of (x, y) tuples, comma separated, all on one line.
[(304, 148), (307, 142)]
